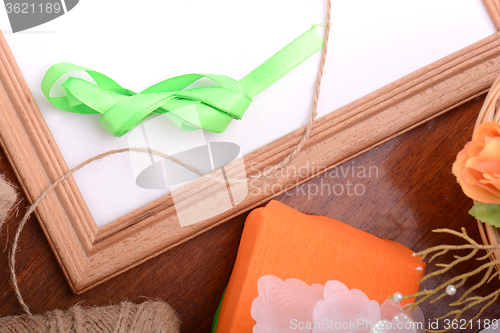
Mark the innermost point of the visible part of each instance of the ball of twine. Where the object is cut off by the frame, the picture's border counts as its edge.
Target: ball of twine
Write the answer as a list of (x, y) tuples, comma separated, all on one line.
[(8, 197), (148, 317)]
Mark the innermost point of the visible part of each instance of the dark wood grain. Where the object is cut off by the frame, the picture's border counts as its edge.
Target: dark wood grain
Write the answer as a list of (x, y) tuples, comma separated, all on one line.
[(412, 193)]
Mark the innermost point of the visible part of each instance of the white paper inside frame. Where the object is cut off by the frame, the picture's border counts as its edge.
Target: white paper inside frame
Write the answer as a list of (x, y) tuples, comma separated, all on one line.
[(139, 43)]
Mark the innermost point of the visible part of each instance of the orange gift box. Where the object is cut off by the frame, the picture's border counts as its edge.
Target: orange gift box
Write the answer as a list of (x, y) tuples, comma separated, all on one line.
[(278, 240)]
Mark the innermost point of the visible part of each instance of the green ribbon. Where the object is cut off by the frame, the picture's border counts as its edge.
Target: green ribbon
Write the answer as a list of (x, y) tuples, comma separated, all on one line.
[(215, 107)]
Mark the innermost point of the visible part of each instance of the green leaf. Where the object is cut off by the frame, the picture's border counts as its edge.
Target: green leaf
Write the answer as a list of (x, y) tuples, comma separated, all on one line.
[(487, 213)]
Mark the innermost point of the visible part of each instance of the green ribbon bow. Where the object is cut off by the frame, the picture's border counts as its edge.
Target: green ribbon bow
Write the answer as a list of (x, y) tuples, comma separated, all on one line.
[(123, 109)]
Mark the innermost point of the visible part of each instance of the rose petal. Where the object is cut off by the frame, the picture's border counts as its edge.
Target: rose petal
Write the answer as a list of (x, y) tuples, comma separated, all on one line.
[(491, 184), (418, 317), (390, 308), (334, 288), (474, 148), (281, 302), (488, 129), (486, 167), (345, 311), (480, 193), (491, 151), (470, 181)]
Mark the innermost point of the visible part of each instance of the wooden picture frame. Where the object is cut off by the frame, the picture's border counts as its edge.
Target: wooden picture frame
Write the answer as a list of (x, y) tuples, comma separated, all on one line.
[(89, 255)]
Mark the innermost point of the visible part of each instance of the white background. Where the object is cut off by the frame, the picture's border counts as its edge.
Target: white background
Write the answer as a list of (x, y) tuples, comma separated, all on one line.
[(139, 43)]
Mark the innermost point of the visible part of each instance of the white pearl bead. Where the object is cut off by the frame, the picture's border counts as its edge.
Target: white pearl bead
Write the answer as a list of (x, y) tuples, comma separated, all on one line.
[(451, 290), (397, 297)]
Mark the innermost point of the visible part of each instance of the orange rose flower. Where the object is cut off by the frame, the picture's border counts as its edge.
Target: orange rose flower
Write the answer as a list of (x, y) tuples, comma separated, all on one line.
[(477, 167)]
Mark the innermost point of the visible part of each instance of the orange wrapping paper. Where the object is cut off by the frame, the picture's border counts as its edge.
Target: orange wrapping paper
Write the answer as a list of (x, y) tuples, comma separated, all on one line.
[(278, 240)]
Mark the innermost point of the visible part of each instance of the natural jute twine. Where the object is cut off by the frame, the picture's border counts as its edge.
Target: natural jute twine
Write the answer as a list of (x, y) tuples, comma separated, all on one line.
[(148, 317), (314, 109), (8, 197), (284, 162)]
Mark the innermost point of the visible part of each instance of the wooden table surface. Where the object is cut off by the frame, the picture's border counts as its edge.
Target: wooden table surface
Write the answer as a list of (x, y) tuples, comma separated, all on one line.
[(412, 193)]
